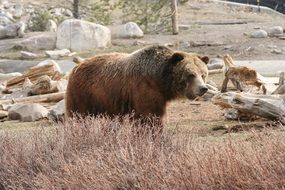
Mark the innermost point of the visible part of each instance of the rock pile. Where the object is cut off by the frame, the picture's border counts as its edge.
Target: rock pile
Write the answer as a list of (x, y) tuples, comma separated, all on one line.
[(22, 94)]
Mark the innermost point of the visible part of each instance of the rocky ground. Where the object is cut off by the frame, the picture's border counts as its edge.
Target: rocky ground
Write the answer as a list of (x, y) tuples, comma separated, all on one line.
[(205, 28)]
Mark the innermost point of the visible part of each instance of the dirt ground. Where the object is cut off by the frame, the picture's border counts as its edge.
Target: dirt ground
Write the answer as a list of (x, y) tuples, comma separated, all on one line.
[(209, 23), (202, 118)]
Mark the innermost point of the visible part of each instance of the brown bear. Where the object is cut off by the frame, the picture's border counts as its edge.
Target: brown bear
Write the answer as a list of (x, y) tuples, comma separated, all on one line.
[(140, 83)]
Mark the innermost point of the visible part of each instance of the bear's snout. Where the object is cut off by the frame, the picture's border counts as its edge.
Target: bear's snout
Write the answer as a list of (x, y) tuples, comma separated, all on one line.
[(202, 90)]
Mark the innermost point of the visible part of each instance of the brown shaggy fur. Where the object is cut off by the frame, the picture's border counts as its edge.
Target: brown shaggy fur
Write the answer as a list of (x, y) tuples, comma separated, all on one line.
[(140, 83)]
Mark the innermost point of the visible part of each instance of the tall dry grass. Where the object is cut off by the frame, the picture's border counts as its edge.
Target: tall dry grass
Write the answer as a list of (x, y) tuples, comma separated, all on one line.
[(84, 155)]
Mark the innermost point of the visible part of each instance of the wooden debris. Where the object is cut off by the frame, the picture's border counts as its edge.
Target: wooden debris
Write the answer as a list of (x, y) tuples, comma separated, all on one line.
[(267, 106), (44, 85), (33, 74), (54, 97), (221, 23), (212, 91), (205, 43), (215, 71), (78, 60), (242, 75), (281, 88)]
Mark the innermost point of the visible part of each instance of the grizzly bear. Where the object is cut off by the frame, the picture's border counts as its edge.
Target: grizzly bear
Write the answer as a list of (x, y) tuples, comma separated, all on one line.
[(140, 83)]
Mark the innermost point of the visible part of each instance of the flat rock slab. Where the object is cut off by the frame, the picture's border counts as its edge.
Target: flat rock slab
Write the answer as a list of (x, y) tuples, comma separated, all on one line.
[(31, 41), (55, 54), (27, 112), (265, 67), (10, 66)]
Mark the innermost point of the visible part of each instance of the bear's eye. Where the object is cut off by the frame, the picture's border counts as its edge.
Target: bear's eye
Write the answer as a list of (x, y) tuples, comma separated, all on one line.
[(190, 76)]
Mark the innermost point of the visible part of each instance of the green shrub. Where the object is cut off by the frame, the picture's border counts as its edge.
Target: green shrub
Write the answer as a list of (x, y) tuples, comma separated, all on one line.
[(38, 20), (151, 15), (101, 12), (183, 1)]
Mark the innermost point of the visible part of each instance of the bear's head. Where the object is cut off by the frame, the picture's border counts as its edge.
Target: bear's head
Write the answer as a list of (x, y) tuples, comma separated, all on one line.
[(191, 73)]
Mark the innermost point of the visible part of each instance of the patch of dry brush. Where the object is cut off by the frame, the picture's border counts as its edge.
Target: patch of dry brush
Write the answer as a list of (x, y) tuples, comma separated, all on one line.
[(83, 155)]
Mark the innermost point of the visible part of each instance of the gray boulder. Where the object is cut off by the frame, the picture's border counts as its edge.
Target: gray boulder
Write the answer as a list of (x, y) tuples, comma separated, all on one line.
[(12, 30), (259, 34), (6, 4), (5, 19), (56, 54), (275, 31), (57, 112), (78, 35), (17, 11), (277, 51), (128, 30), (27, 112), (42, 41), (215, 64), (8, 16), (28, 55), (19, 94)]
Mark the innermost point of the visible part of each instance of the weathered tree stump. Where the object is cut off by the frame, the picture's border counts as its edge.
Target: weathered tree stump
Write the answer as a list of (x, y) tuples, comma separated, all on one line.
[(281, 88), (242, 76), (267, 106)]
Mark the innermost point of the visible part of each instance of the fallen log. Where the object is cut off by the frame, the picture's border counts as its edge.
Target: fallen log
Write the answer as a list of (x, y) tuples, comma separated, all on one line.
[(215, 71), (78, 60), (221, 23), (238, 75), (54, 97), (205, 43), (267, 106), (33, 74)]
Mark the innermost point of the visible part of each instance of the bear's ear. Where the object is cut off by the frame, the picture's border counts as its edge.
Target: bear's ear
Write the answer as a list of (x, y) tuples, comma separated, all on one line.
[(176, 57), (205, 59)]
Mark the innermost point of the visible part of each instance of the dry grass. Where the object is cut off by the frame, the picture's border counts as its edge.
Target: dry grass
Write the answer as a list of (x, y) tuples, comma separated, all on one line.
[(83, 155)]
